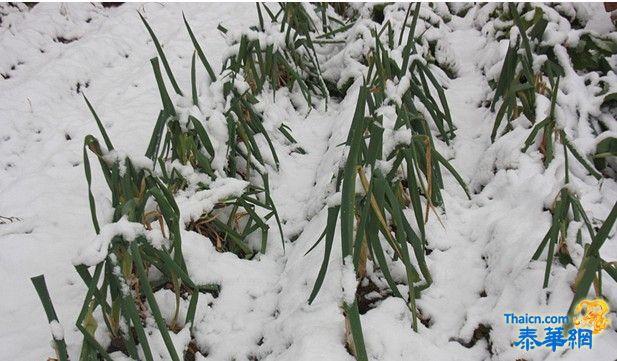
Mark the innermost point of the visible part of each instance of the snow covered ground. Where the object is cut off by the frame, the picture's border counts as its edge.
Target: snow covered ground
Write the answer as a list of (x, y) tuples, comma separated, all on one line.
[(52, 53)]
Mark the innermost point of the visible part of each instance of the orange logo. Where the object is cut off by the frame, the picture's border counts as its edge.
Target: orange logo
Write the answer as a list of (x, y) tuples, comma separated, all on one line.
[(592, 315)]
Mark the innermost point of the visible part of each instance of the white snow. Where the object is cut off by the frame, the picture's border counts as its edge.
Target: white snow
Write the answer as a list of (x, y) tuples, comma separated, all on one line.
[(57, 331), (480, 255), (96, 250), (348, 280), (194, 204)]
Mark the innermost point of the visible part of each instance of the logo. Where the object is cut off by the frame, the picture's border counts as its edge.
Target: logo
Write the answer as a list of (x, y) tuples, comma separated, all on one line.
[(589, 319), (592, 315)]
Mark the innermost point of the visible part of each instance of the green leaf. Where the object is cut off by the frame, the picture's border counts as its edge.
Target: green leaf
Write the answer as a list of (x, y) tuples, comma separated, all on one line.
[(605, 149), (353, 315), (200, 52), (580, 158), (156, 312), (168, 105), (329, 233), (159, 50), (100, 125), (349, 174), (41, 290)]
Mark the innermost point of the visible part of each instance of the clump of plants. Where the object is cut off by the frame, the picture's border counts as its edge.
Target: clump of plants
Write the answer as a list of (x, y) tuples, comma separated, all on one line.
[(143, 238), (142, 203), (551, 134), (517, 88), (349, 42), (565, 204), (144, 235), (288, 60), (391, 151), (182, 138), (592, 264), (518, 83), (432, 47)]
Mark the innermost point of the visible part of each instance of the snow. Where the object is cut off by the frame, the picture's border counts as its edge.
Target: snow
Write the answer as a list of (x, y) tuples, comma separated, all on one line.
[(348, 280), (194, 204), (57, 331), (480, 254), (96, 251)]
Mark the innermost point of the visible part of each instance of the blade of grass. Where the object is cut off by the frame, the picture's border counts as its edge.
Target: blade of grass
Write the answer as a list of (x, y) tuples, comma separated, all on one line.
[(161, 53), (200, 52), (41, 290), (99, 124), (156, 312)]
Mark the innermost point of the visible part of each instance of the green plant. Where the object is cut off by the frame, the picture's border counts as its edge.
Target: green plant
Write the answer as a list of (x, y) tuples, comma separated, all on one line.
[(556, 236), (591, 53), (517, 84), (606, 149), (518, 87), (119, 284), (517, 90), (41, 290), (592, 265), (145, 229), (377, 212), (566, 200), (190, 144), (550, 133), (514, 88), (284, 64)]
